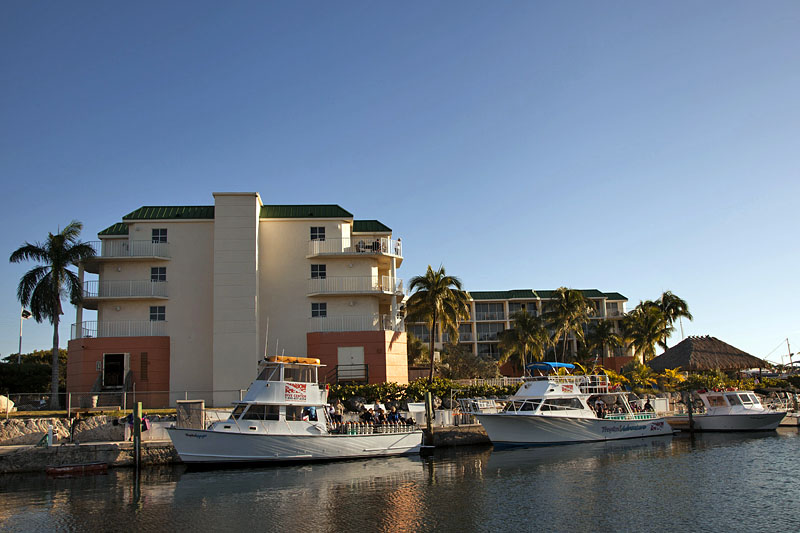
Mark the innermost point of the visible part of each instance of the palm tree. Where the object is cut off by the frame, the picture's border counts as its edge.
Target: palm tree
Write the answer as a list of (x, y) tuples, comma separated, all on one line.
[(674, 308), (644, 327), (641, 375), (527, 337), (569, 312), (602, 334), (43, 287), (671, 377), (438, 301)]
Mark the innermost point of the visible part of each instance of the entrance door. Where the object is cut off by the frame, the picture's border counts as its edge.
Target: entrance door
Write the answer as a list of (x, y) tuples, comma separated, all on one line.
[(113, 370), (351, 365)]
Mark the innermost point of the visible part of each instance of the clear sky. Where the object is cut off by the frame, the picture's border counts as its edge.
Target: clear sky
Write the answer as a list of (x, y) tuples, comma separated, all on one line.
[(632, 146)]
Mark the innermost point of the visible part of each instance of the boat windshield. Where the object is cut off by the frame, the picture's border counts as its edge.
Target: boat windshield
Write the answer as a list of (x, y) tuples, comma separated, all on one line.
[(237, 412), (270, 373), (733, 399), (746, 400), (262, 412), (300, 373), (528, 405), (561, 404)]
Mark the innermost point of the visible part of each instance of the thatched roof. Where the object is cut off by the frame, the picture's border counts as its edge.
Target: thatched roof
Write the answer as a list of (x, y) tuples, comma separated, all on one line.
[(704, 353)]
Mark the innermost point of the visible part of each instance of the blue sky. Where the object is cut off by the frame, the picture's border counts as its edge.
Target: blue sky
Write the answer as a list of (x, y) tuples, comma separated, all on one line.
[(625, 146)]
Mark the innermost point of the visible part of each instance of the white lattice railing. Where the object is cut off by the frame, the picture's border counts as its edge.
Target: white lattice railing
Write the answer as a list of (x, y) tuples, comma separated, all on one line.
[(124, 289)]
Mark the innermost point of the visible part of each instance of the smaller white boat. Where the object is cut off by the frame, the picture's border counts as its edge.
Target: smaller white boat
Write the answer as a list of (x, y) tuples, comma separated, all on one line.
[(738, 410), (284, 417), (558, 409)]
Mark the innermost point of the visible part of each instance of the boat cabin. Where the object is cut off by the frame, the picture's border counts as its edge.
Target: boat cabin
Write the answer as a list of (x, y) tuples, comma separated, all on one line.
[(730, 400)]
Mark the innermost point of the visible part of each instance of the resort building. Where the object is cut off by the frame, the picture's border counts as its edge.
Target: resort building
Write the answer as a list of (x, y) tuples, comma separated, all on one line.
[(189, 298), (490, 313)]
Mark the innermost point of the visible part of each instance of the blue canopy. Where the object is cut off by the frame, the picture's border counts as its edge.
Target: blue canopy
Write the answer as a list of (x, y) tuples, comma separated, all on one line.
[(549, 366)]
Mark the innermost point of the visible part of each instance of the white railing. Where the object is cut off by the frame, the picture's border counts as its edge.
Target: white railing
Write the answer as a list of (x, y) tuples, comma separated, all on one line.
[(614, 312), (494, 382), (355, 284), (330, 324), (124, 289), (353, 245), (127, 248), (120, 328)]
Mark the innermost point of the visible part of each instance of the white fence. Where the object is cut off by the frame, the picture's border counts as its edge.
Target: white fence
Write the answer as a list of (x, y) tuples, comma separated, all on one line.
[(120, 328), (356, 323), (123, 289), (353, 245), (128, 248)]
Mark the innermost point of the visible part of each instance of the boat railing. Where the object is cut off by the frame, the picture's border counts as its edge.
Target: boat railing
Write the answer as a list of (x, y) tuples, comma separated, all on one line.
[(591, 384), (631, 416)]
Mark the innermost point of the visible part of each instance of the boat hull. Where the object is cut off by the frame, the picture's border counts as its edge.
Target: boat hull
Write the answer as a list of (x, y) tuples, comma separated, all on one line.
[(204, 446), (732, 422), (515, 430)]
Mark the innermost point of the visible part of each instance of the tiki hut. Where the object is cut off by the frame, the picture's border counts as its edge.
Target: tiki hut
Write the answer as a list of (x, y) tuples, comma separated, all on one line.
[(704, 353)]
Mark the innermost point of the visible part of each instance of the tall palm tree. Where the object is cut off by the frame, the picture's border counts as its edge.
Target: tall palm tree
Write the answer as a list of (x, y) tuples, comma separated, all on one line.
[(569, 312), (674, 308), (644, 327), (602, 334), (527, 337), (438, 300), (43, 287)]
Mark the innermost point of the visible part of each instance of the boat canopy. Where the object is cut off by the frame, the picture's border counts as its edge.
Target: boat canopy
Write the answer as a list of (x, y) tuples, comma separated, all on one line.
[(549, 367)]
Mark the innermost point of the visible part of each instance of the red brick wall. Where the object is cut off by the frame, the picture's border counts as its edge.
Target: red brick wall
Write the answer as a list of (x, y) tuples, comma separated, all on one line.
[(384, 352)]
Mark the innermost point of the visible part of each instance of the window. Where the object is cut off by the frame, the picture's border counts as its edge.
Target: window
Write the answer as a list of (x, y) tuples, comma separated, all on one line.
[(420, 331), (492, 311), (300, 373), (158, 274), (160, 235), (317, 233), (318, 271), (319, 310), (488, 350), (488, 332), (733, 399), (238, 411), (158, 313), (262, 412)]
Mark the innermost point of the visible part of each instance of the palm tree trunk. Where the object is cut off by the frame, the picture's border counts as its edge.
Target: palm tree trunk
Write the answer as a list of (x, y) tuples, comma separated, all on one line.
[(54, 403), (430, 353)]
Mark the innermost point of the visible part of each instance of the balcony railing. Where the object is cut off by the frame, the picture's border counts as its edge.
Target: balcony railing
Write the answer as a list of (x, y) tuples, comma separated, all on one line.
[(613, 312), (120, 328), (383, 246), (330, 324), (355, 284), (126, 248), (125, 289)]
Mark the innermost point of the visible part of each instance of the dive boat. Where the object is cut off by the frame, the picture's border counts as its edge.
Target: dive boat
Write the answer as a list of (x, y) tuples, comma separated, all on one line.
[(284, 418), (738, 410), (557, 409)]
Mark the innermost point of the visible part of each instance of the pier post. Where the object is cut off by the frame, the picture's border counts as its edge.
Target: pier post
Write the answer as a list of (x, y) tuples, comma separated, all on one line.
[(429, 417), (137, 433)]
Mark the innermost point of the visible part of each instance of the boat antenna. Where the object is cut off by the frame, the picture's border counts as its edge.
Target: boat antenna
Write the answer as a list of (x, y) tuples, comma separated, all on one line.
[(266, 341)]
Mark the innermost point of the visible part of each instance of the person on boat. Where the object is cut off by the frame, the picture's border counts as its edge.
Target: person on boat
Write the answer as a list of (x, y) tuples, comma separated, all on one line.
[(338, 410), (394, 416), (599, 408), (380, 417), (647, 406), (368, 415)]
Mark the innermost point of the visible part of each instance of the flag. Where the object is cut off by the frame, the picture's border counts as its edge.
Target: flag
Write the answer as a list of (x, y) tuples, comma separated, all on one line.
[(26, 314)]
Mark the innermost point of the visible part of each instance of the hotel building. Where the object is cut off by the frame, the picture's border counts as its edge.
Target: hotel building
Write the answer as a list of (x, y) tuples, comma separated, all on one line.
[(189, 298), (490, 313)]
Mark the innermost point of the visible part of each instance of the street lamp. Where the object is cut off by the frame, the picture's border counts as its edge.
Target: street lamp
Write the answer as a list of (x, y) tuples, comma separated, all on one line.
[(23, 315)]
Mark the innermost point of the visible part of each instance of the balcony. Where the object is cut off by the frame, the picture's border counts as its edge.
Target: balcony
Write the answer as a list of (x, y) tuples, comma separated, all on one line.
[(491, 315), (356, 247), (355, 285), (332, 324), (119, 328), (611, 313), (122, 249), (94, 291)]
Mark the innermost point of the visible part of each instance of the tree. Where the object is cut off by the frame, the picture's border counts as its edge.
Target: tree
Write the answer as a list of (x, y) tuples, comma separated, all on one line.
[(644, 327), (602, 334), (569, 312), (415, 349), (458, 362), (640, 375), (674, 308), (438, 300), (43, 287), (672, 377), (527, 337)]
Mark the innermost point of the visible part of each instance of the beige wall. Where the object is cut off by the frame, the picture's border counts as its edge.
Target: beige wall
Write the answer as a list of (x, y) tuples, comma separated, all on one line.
[(235, 310)]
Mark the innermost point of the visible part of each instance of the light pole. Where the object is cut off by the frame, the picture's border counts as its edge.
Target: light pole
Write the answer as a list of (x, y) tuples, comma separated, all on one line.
[(24, 314)]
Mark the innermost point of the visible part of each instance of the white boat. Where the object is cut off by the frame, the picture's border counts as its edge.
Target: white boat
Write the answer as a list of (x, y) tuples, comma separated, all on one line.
[(284, 418), (738, 410), (557, 409)]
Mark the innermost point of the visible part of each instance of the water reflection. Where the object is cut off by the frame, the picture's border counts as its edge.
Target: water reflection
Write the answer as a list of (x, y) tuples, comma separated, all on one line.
[(659, 484)]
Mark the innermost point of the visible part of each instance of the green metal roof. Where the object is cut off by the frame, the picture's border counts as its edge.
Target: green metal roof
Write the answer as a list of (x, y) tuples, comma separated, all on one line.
[(304, 211), (370, 226), (152, 212), (527, 294), (615, 296), (120, 228)]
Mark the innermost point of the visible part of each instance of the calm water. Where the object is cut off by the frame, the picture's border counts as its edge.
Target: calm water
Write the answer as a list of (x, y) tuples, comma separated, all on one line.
[(734, 482)]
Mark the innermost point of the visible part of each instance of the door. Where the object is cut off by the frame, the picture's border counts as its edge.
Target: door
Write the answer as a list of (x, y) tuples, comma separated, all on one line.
[(113, 370), (350, 363)]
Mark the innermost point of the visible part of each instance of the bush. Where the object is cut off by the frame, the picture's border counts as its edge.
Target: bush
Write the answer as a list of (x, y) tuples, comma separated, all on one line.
[(27, 377)]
